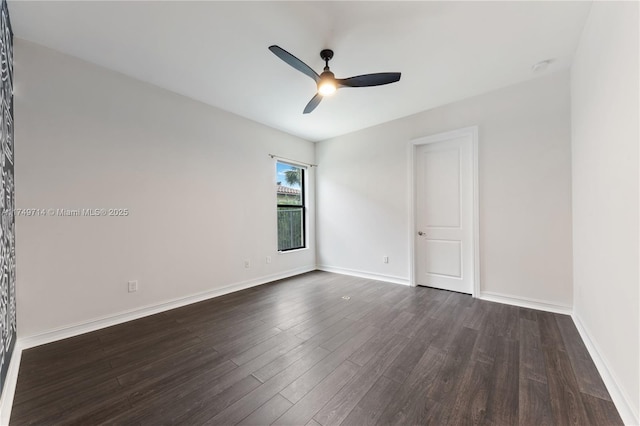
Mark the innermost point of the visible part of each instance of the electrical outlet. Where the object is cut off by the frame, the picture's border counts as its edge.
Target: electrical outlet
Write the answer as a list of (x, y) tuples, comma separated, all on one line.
[(385, 259), (247, 264), (268, 259), (133, 286)]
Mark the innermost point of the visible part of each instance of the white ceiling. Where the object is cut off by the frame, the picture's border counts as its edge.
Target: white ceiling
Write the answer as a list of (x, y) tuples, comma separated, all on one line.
[(216, 52)]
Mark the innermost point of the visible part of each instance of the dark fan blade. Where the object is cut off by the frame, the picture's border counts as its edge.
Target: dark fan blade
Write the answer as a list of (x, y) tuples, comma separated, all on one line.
[(313, 103), (369, 79), (294, 62)]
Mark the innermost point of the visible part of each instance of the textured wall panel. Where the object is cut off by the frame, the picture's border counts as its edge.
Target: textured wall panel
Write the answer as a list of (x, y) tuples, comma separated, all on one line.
[(7, 197)]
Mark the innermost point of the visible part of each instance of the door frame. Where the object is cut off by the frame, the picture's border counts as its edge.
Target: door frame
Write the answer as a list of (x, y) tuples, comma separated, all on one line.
[(472, 132)]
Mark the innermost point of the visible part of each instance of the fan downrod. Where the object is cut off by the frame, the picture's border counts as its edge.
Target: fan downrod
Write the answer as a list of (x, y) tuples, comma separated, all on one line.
[(326, 56)]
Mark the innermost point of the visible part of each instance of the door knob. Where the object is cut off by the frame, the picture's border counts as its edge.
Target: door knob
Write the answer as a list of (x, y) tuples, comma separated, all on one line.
[(421, 233)]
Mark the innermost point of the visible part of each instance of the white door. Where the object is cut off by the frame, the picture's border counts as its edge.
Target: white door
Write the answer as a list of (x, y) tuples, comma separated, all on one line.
[(445, 213)]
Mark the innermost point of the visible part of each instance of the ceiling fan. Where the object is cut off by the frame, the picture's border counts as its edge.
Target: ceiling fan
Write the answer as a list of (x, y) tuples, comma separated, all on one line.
[(327, 82)]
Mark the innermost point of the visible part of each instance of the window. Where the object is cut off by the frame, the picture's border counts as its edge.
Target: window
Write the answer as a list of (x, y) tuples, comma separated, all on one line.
[(291, 209)]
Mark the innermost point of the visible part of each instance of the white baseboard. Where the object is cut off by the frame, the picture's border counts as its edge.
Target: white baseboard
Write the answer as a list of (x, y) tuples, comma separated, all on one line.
[(107, 321), (9, 390), (524, 302), (367, 275), (619, 397)]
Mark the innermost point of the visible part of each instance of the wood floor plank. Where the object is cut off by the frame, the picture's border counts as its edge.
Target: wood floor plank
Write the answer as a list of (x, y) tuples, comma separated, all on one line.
[(442, 310), (510, 317), (366, 310), (475, 316), (200, 406), (277, 365), (566, 400), (402, 366), (589, 380), (379, 317), (113, 347), (99, 412), (142, 356), (63, 349), (450, 381), (454, 366), (399, 322), (268, 413), (302, 385), (312, 402), (42, 372), (55, 409), (370, 407), (35, 393), (534, 404), (343, 336), (550, 335), (327, 317), (531, 356), (502, 407), (371, 348), (311, 311), (526, 313), (502, 320), (147, 327), (322, 333), (471, 402), (245, 342), (601, 411), (173, 386), (294, 351), (253, 400), (410, 404), (186, 404), (221, 330), (221, 383), (189, 359), (421, 319), (486, 348), (341, 404), (255, 351)]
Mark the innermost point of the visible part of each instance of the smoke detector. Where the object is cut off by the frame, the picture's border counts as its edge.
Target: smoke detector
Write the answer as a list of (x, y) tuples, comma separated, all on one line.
[(541, 66)]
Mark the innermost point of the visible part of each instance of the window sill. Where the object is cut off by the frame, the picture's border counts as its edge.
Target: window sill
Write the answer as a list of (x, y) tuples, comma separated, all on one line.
[(293, 251)]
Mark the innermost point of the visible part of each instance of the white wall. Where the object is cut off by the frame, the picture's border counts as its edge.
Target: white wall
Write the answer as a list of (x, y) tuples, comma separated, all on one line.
[(525, 191), (605, 120), (197, 180)]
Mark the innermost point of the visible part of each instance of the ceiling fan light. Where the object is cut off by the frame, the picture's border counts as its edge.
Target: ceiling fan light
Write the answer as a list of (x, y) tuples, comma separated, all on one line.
[(327, 87)]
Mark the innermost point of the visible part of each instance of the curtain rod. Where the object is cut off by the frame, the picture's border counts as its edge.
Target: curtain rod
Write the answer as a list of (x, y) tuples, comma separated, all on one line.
[(294, 161)]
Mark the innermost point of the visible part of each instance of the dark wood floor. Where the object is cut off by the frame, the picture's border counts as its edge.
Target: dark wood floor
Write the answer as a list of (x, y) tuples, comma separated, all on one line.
[(296, 352)]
